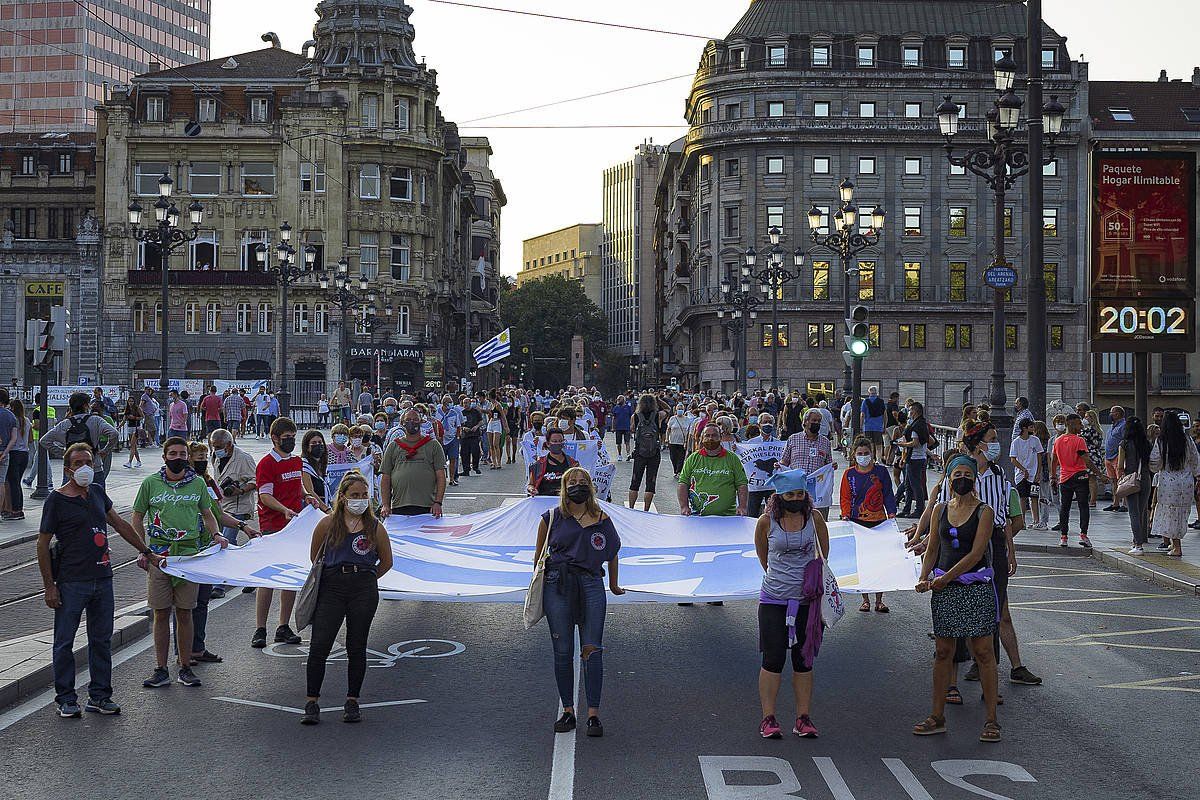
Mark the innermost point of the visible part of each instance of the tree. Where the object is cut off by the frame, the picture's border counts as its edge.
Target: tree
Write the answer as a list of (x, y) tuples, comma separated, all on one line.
[(544, 315)]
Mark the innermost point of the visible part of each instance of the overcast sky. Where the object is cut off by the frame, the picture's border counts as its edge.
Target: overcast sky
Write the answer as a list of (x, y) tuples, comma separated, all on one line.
[(489, 63)]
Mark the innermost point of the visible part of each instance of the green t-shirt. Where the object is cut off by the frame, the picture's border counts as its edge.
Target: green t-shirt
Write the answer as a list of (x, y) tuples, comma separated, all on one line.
[(713, 483), (173, 523)]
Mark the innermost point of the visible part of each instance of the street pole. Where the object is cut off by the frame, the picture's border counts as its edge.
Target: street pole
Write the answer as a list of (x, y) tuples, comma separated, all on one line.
[(847, 375), (1141, 387), (164, 384), (999, 398), (43, 469), (774, 336), (280, 367), (1036, 302)]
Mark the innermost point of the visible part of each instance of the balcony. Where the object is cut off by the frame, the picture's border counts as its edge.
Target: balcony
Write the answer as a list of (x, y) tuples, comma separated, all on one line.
[(1175, 382), (802, 292), (759, 127), (201, 277)]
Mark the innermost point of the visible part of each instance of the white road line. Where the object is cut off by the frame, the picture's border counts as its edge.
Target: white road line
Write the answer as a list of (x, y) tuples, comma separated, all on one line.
[(291, 710), (488, 494), (833, 778), (906, 779), (562, 770)]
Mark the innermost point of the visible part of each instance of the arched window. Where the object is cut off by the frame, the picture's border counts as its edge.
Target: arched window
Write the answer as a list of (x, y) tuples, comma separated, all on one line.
[(212, 318)]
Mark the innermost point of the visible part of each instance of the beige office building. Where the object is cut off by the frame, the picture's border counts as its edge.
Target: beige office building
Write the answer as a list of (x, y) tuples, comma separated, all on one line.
[(572, 252)]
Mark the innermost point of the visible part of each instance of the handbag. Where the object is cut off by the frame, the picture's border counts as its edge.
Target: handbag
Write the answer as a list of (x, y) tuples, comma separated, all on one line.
[(533, 611), (306, 601), (831, 603), (1129, 483)]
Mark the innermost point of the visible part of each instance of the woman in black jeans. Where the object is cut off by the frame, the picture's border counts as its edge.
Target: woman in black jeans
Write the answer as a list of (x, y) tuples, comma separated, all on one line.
[(1134, 459), (357, 553)]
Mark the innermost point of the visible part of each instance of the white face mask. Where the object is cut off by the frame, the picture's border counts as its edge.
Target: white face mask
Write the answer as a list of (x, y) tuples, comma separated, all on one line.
[(358, 507), (356, 442), (863, 461), (83, 476), (563, 424), (1060, 428)]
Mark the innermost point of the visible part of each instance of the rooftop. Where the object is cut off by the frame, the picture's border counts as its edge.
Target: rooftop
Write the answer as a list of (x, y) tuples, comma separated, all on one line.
[(984, 18), (1141, 106), (55, 140), (270, 63)]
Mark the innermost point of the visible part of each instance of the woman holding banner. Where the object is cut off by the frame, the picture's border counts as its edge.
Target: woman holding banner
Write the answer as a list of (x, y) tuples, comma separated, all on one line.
[(316, 461), (546, 473), (867, 499), (788, 538)]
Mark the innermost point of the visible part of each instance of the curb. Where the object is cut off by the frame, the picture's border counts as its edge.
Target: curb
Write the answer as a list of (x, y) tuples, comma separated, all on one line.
[(1122, 563)]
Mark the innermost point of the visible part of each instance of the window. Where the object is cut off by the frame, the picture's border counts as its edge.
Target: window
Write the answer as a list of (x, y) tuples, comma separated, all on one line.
[(1008, 222), (1050, 276), (404, 320), (206, 109), (958, 221), (912, 110), (777, 55), (958, 337), (1056, 337), (68, 223), (400, 185), (820, 270), (258, 178), (312, 176), (1001, 52), (203, 251), (912, 221), (266, 319), (368, 182), (705, 169), (29, 166), (1049, 58), (321, 318), (368, 255), (1191, 114), (874, 334), (212, 318), (402, 113), (300, 318), (912, 166), (368, 111), (775, 108), (259, 109), (52, 224), (956, 57), (866, 56), (866, 110), (962, 110), (1116, 368), (820, 165), (912, 336), (823, 228), (158, 317), (155, 109), (733, 168), (145, 177), (1050, 222), (64, 163), (820, 55), (204, 178), (821, 108), (912, 55), (401, 256), (958, 169), (775, 217), (737, 58), (780, 339), (1121, 114), (866, 281), (1050, 170), (958, 281), (731, 111), (731, 228), (192, 321), (706, 112), (951, 337), (912, 281), (31, 215), (705, 223), (866, 166), (140, 322), (250, 242), (1010, 337), (244, 323), (775, 165)]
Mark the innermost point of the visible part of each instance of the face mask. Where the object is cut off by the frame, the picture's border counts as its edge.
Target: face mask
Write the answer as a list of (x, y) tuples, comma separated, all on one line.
[(390, 409), (564, 424), (579, 493), (863, 461), (340, 438), (814, 428), (201, 467), (317, 451), (993, 451), (753, 419), (381, 425), (712, 445), (358, 507), (176, 465), (556, 449), (768, 429), (411, 428), (792, 506), (1060, 428), (537, 427), (356, 441), (679, 412), (287, 444), (962, 485), (83, 476)]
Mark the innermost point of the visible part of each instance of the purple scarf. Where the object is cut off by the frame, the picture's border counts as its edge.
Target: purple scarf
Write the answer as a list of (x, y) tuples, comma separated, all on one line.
[(983, 575), (811, 593)]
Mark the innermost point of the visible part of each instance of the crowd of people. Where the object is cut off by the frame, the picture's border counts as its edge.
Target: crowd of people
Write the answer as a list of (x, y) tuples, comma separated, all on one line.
[(209, 491)]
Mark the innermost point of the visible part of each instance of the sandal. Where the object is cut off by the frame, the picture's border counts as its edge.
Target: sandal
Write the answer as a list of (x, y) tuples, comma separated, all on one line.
[(954, 696), (866, 606), (991, 732), (930, 726), (882, 609)]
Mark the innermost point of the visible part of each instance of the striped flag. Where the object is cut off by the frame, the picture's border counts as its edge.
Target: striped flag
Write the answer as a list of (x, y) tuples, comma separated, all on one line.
[(495, 349)]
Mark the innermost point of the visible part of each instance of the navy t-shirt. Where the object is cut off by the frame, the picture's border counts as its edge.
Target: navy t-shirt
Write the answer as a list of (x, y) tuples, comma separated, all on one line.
[(587, 548), (80, 530), (622, 413), (8, 423)]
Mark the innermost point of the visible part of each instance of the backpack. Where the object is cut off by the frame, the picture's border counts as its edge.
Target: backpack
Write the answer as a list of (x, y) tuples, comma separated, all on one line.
[(877, 408), (646, 441), (79, 432)]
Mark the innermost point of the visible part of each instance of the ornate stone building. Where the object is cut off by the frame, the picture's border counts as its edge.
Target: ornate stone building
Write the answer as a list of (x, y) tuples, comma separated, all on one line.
[(346, 144), (801, 95)]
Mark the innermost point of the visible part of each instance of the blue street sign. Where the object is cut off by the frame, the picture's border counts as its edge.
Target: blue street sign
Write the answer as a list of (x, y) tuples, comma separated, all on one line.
[(751, 373), (1000, 276)]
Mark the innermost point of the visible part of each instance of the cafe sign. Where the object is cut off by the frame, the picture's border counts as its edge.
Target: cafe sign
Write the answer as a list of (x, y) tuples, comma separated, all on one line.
[(45, 289)]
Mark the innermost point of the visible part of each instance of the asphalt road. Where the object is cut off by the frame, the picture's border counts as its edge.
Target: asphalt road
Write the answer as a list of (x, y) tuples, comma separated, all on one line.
[(681, 714)]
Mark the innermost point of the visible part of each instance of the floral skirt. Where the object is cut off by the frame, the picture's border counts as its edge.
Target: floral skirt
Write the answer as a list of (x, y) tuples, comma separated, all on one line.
[(964, 610)]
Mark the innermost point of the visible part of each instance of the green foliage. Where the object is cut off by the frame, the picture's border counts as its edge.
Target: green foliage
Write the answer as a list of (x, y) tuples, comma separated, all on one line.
[(544, 315)]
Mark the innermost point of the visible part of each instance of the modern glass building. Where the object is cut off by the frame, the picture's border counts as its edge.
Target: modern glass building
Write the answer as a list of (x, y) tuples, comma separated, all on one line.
[(56, 58)]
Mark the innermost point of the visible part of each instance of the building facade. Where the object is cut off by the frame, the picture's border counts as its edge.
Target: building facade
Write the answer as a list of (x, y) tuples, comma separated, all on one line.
[(346, 144), (800, 96), (49, 253), (572, 252), (56, 59), (627, 251)]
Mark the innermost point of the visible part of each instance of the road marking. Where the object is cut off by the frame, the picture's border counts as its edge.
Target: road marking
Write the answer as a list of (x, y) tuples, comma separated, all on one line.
[(1157, 684), (1060, 569), (833, 778), (488, 494), (562, 768), (904, 776), (1089, 600), (395, 652), (1086, 636), (291, 710), (1054, 575), (1133, 646), (1104, 614), (1074, 589)]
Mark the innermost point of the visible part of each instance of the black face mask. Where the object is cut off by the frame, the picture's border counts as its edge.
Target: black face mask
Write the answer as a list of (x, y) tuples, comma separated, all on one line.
[(962, 486), (317, 451), (556, 449), (176, 465), (200, 466), (411, 428), (792, 506), (579, 493), (287, 444), (814, 428)]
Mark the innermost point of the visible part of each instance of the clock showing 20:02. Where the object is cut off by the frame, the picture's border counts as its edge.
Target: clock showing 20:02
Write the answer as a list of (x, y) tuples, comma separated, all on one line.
[(1144, 325)]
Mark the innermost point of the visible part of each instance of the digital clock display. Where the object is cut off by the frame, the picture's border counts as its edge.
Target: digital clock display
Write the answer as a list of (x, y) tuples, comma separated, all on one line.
[(1143, 325)]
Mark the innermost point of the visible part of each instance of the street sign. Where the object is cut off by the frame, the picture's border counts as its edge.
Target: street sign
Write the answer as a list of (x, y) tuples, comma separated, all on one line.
[(1000, 276), (751, 373)]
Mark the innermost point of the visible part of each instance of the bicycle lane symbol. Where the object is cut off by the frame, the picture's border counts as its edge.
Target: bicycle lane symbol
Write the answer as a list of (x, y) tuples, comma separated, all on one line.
[(411, 648)]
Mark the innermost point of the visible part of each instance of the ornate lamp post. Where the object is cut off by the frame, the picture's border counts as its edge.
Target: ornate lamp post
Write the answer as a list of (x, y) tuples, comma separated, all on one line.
[(741, 308), (166, 235), (288, 271), (344, 298), (772, 277)]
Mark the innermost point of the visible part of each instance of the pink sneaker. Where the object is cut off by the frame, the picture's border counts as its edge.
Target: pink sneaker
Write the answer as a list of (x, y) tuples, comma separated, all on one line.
[(805, 728), (769, 729)]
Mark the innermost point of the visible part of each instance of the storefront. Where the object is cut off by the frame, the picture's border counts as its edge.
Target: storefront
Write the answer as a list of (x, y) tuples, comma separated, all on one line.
[(393, 368)]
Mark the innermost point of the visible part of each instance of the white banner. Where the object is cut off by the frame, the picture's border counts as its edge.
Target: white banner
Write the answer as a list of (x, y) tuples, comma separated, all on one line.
[(335, 472), (61, 395), (759, 459), (488, 557), (590, 453)]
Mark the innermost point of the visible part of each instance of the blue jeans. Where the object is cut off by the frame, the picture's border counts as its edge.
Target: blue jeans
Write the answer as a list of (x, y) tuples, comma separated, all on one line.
[(571, 598), (96, 597)]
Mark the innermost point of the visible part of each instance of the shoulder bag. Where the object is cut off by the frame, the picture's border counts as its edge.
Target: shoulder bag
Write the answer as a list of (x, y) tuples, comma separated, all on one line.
[(1128, 484), (533, 598), (306, 600)]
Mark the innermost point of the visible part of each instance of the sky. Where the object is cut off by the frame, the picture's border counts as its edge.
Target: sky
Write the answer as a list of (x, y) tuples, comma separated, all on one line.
[(490, 63)]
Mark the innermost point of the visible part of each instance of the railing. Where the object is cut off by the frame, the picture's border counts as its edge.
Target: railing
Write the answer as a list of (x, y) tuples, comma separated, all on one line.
[(807, 124), (803, 292), (201, 277), (1175, 382)]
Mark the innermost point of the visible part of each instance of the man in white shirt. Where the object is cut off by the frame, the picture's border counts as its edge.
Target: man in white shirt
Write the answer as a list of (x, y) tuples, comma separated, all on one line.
[(1025, 453)]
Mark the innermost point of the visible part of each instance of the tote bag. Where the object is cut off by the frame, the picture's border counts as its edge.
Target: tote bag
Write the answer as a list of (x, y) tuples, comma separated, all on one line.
[(533, 598), (306, 601), (832, 604)]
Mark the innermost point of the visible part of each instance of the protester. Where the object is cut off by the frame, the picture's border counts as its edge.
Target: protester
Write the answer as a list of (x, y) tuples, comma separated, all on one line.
[(233, 470), (867, 499), (81, 425), (316, 461), (262, 416), (1093, 436), (809, 450), (764, 431), (622, 417), (355, 551), (646, 448), (918, 439), (339, 403), (451, 418), (132, 420), (1025, 453), (20, 441), (1073, 464), (211, 407), (1175, 459), (956, 569), (872, 418), (713, 480), (234, 407), (677, 437), (579, 540), (546, 473), (177, 415), (413, 473), (495, 434), (174, 511), (77, 578), (1133, 458), (471, 434)]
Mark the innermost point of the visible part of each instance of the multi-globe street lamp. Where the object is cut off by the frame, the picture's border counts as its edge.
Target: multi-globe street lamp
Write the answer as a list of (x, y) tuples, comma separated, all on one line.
[(740, 305), (344, 298), (772, 277), (289, 270)]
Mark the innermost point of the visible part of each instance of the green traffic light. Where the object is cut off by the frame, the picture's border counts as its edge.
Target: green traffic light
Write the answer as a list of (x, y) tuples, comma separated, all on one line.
[(859, 348)]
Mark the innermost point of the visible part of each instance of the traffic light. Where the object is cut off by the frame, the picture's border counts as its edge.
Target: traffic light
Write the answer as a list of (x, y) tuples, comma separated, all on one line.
[(858, 333)]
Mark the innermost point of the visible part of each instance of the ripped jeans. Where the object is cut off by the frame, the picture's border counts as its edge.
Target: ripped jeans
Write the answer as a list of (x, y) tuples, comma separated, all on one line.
[(573, 597)]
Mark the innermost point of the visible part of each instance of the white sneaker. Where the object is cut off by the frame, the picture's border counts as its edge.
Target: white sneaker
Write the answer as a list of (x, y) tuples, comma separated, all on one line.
[(1136, 550)]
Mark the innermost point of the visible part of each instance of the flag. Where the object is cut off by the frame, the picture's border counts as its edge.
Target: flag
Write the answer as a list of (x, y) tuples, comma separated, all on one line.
[(495, 349)]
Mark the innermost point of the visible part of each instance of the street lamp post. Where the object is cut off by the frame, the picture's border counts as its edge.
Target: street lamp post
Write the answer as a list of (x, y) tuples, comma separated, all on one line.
[(1000, 163), (772, 278), (847, 241), (344, 298), (741, 306), (286, 272), (166, 235)]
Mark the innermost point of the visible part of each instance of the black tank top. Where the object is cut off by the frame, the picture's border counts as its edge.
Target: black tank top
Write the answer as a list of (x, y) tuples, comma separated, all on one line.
[(948, 553)]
